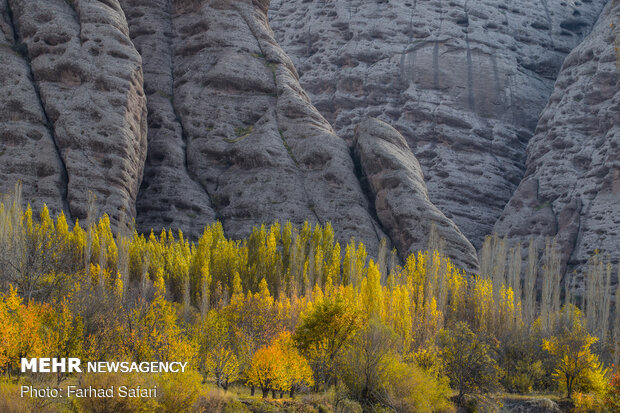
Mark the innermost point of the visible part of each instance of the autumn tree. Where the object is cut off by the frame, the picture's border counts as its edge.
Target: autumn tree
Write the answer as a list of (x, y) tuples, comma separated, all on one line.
[(324, 334), (570, 347), (367, 363), (467, 361), (21, 330), (613, 396), (297, 370), (266, 370), (153, 332), (217, 356), (36, 254), (279, 367), (65, 333)]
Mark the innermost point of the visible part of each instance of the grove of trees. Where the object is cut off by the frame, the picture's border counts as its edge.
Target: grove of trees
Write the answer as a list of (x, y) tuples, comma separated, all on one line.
[(290, 310)]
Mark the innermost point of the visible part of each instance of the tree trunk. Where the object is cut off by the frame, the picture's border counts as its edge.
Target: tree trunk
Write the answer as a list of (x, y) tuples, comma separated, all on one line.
[(281, 394), (265, 392), (292, 392), (273, 394), (252, 391)]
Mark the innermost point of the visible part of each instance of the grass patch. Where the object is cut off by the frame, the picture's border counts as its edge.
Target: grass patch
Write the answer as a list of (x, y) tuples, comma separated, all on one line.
[(240, 133), (288, 148), (243, 132), (272, 66), (164, 95)]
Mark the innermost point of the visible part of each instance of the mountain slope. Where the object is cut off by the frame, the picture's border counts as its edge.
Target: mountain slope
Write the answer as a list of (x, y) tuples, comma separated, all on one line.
[(463, 81), (571, 188), (240, 135)]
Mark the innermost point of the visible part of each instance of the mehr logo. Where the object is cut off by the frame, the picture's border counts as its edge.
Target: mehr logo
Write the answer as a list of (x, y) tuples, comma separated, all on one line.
[(51, 365)]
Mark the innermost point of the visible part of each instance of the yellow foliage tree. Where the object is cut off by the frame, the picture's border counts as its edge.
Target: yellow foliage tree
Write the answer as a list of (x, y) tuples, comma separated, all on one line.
[(575, 363)]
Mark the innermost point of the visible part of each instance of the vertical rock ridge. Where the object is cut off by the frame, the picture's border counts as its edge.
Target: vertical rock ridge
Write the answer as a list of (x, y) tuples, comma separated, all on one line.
[(322, 156), (28, 151), (400, 196), (90, 82), (171, 195)]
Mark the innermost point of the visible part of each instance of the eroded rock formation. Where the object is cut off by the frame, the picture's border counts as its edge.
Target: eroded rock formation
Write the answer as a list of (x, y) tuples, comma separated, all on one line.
[(400, 196), (232, 134), (463, 81), (571, 188), (170, 195), (232, 128), (88, 81), (27, 148)]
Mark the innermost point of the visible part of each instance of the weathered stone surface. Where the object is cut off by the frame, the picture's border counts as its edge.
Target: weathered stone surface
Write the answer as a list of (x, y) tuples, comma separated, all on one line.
[(170, 195), (233, 136), (27, 151), (571, 189), (253, 142), (463, 81), (396, 182), (89, 79)]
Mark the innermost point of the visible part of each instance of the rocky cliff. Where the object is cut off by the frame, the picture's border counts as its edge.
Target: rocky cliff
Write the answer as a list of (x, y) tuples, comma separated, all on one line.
[(571, 187), (28, 151), (400, 197), (78, 92), (234, 135), (464, 81), (176, 113)]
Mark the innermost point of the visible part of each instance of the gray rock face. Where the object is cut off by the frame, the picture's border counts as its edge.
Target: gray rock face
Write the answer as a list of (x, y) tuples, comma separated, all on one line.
[(231, 127), (400, 195), (170, 195), (27, 150), (571, 188), (89, 79), (463, 81), (232, 135)]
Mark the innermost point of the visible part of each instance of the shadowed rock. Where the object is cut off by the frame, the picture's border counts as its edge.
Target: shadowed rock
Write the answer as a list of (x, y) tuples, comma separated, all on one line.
[(401, 200), (27, 151)]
